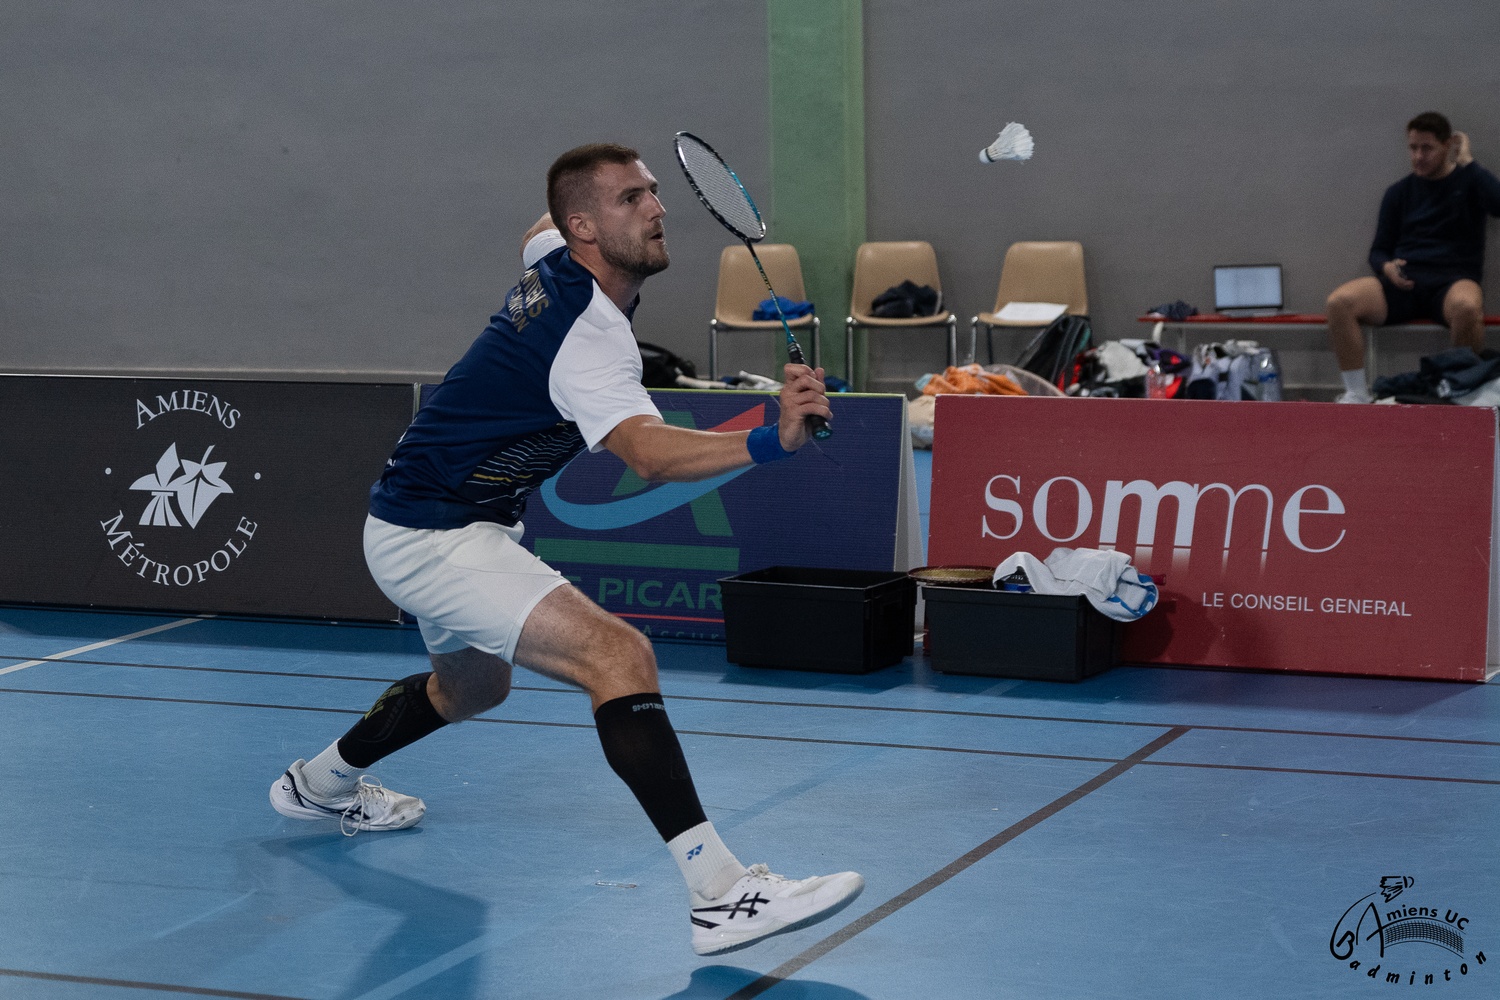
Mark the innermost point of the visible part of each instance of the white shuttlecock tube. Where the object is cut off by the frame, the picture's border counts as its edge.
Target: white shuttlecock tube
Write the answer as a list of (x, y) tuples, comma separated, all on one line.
[(1013, 143)]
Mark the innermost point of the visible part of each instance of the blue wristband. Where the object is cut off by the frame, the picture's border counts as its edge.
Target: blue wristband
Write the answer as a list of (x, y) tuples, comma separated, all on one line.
[(765, 445)]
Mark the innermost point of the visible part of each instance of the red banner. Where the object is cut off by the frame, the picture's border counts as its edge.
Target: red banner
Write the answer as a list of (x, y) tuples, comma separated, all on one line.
[(1286, 536)]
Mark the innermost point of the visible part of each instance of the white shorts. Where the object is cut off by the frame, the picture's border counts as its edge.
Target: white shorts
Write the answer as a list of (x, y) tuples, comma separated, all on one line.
[(470, 586)]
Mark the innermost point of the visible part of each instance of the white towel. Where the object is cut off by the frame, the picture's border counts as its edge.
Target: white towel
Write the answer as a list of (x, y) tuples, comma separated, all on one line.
[(1104, 576)]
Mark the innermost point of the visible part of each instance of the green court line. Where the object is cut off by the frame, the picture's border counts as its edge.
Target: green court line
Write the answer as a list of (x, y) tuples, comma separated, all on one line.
[(818, 152), (716, 558)]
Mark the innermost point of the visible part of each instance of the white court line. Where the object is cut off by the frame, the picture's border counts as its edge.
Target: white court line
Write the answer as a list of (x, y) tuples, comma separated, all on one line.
[(437, 966), (100, 645)]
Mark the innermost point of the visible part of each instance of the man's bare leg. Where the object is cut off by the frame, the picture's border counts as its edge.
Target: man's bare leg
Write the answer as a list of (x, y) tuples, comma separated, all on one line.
[(1357, 302), (466, 683), (570, 638), (1463, 311)]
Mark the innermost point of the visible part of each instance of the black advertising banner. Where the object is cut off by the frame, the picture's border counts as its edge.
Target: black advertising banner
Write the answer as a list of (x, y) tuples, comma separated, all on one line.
[(194, 495)]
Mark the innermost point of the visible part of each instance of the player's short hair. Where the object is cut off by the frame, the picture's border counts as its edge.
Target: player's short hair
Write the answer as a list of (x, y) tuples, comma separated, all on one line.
[(570, 179), (1431, 122)]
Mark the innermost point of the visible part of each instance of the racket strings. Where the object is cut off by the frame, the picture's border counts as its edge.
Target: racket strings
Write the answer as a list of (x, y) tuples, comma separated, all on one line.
[(720, 190), (722, 194)]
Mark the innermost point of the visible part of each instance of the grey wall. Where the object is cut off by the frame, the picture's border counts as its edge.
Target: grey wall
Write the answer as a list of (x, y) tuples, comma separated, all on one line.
[(329, 186), (1170, 136)]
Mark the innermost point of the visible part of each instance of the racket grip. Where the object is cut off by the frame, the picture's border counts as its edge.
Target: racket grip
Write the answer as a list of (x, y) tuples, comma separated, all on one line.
[(815, 423)]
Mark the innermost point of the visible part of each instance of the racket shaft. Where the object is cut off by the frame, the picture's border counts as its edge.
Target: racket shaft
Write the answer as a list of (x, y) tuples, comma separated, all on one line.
[(815, 423)]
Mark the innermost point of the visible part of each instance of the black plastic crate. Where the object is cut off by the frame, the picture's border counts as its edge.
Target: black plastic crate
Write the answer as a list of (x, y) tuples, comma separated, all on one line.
[(845, 621), (998, 633)]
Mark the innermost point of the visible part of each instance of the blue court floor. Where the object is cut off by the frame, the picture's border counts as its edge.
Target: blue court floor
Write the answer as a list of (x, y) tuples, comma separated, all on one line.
[(1145, 833)]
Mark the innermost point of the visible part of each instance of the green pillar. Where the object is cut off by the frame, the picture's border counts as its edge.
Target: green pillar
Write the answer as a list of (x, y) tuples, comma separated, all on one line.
[(818, 152)]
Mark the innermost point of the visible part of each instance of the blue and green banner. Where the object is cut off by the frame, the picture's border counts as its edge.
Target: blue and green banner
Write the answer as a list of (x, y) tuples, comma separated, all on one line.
[(653, 553)]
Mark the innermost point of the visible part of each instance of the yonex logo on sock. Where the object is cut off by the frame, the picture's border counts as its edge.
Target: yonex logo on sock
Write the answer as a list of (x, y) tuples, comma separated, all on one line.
[(341, 774), (695, 852)]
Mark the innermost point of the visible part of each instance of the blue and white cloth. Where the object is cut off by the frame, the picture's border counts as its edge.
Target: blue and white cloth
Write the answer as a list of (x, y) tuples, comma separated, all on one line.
[(1106, 577)]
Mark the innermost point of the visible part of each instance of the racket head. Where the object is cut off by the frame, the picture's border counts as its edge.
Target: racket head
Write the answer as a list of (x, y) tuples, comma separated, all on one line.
[(954, 576), (719, 188)]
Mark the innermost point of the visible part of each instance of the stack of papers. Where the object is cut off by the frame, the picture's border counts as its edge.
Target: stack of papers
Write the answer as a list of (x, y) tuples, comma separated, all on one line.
[(1040, 313)]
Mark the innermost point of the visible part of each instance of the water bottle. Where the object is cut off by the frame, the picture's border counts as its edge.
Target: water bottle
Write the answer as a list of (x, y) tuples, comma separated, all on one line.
[(1157, 382), (1267, 376)]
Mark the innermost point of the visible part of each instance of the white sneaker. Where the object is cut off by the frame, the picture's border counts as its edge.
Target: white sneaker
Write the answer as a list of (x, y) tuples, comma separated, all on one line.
[(368, 806), (761, 904), (1350, 396)]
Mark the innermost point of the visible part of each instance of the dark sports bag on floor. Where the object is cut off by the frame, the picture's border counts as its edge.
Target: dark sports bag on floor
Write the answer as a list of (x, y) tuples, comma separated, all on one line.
[(660, 367), (1051, 352)]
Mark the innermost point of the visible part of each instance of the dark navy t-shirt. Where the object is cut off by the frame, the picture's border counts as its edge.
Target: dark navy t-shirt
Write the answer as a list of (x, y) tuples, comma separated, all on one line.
[(555, 371), (1437, 226)]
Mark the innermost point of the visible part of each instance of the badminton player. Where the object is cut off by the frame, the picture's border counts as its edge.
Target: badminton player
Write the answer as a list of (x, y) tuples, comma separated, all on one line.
[(1428, 252), (556, 371)]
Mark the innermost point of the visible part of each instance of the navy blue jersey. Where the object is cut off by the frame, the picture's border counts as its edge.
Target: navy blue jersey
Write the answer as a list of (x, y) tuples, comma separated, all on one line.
[(555, 371), (1437, 226)]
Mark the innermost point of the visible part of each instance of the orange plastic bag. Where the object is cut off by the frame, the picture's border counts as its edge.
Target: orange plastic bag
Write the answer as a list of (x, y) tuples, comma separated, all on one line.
[(971, 380)]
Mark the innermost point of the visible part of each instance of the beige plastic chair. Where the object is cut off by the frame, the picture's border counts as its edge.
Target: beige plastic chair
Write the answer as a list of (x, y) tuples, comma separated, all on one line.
[(879, 266), (741, 290), (1035, 272)]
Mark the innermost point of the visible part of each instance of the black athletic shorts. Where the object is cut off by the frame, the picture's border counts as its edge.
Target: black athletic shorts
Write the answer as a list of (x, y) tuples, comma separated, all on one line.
[(1424, 302)]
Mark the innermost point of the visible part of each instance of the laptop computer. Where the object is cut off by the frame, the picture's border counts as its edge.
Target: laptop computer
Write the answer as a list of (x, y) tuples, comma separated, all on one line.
[(1248, 290)]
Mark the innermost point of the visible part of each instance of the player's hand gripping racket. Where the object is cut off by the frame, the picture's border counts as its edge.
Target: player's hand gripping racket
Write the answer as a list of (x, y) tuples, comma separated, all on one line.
[(725, 197)]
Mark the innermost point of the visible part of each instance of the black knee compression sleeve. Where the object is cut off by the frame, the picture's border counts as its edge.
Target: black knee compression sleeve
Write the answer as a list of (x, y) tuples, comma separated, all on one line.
[(641, 746), (400, 716)]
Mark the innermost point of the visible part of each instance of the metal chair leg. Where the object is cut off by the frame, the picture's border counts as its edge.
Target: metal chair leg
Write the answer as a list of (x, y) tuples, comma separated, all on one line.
[(817, 354), (849, 351), (952, 341), (713, 349)]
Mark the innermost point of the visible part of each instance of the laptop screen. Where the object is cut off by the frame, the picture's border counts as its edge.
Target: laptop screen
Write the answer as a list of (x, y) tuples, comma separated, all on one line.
[(1257, 286)]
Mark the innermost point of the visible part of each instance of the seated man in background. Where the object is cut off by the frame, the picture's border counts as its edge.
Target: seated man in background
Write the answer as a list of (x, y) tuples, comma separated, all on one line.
[(1428, 252)]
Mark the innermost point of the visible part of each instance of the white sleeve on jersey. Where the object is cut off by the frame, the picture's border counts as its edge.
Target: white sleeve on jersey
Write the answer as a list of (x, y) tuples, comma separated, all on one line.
[(541, 245), (595, 379)]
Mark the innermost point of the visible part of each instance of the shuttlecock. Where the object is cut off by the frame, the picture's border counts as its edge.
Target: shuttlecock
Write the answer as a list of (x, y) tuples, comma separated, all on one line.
[(1013, 143)]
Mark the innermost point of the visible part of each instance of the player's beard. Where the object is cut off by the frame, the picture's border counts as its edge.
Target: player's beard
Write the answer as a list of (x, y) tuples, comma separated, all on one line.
[(639, 257)]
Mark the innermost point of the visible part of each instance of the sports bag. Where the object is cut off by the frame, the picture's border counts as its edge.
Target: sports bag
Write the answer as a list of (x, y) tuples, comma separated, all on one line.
[(1051, 352), (660, 367)]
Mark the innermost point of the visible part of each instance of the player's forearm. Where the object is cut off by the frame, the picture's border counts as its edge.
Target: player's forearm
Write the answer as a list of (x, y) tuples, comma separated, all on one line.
[(539, 226), (660, 452)]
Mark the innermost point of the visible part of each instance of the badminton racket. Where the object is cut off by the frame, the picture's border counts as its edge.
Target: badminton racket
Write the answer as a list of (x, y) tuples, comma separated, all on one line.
[(726, 199)]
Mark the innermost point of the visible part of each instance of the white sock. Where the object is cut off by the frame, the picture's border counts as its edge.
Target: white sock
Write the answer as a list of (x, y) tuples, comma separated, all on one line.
[(329, 775), (710, 869), (1355, 382)]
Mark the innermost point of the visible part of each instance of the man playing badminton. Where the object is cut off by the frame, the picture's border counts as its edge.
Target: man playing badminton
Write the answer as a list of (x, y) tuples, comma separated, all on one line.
[(556, 371), (1428, 253)]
